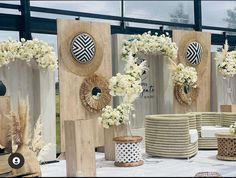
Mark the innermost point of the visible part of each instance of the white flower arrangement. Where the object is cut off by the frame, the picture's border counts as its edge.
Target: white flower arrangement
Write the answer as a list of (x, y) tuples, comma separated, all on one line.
[(35, 49), (128, 85), (121, 85), (147, 43), (226, 61), (115, 116), (232, 128), (184, 75)]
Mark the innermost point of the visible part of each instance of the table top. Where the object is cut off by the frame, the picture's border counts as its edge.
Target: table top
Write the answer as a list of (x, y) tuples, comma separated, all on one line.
[(225, 135)]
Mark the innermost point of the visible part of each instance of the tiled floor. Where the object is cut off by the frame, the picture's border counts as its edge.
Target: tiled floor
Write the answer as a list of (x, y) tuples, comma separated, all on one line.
[(158, 167)]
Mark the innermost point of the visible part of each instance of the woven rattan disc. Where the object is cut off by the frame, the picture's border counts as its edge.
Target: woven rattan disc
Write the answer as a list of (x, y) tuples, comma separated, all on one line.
[(94, 93), (185, 98), (84, 64)]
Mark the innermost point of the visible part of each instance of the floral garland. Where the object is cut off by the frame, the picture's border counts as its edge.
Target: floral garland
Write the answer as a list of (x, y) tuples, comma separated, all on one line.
[(232, 128), (128, 85), (35, 49), (226, 61)]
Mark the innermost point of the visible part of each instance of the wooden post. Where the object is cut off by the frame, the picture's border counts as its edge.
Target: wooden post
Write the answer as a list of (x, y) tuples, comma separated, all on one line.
[(72, 73), (4, 122), (112, 132), (80, 148), (228, 108), (183, 39)]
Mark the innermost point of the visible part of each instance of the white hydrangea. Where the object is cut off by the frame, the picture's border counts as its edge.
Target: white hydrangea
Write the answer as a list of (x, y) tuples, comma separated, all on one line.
[(121, 85), (232, 128), (185, 75), (116, 116), (226, 61), (35, 49)]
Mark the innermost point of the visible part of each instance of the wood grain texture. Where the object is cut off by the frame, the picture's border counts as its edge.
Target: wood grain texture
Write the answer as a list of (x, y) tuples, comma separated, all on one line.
[(71, 107), (228, 108), (182, 39), (4, 166), (4, 121), (80, 153), (25, 80), (31, 165), (112, 132)]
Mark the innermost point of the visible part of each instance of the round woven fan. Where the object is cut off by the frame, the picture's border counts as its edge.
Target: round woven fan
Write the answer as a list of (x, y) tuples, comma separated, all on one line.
[(185, 96), (94, 93)]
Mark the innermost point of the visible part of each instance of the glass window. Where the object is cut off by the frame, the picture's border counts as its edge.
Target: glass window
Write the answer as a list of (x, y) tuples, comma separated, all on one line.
[(5, 35), (219, 13), (99, 7), (175, 11), (10, 11), (11, 2)]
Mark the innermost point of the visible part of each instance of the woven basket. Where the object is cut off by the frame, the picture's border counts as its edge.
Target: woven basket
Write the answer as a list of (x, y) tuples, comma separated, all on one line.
[(128, 151)]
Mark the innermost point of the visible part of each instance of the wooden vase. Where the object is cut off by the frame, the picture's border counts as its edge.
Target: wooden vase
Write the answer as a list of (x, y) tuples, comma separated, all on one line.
[(31, 166), (114, 131)]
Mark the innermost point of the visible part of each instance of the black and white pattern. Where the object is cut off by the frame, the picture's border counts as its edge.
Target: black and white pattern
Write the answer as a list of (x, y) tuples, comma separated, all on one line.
[(128, 152), (194, 53), (83, 48)]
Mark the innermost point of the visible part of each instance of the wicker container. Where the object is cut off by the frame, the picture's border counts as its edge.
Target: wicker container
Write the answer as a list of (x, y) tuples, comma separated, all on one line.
[(226, 146), (128, 152)]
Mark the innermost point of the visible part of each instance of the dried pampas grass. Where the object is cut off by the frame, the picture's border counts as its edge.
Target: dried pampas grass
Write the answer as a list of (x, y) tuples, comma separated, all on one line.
[(19, 124), (37, 142)]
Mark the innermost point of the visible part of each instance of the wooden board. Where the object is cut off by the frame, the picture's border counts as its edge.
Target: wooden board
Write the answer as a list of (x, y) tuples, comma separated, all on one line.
[(4, 166), (182, 39), (4, 121), (71, 107), (111, 133), (80, 152), (228, 108)]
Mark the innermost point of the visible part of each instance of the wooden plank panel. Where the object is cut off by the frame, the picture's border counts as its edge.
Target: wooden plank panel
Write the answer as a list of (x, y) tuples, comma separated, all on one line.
[(71, 107), (228, 108), (80, 153), (111, 133), (4, 121), (182, 39)]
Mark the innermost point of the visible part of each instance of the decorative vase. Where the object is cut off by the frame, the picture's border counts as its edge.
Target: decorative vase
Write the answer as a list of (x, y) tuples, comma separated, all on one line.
[(31, 165), (228, 94), (128, 151), (3, 89)]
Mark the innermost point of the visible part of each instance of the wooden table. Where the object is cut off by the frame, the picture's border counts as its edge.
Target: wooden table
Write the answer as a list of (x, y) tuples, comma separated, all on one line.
[(226, 143)]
